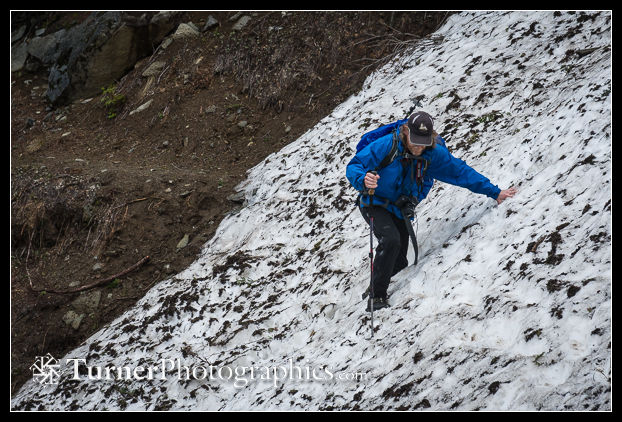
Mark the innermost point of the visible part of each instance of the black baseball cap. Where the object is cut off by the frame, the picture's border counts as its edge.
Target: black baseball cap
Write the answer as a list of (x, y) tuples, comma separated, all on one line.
[(420, 126)]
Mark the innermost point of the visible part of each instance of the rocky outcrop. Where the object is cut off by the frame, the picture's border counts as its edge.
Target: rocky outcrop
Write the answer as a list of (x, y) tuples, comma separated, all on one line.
[(91, 55)]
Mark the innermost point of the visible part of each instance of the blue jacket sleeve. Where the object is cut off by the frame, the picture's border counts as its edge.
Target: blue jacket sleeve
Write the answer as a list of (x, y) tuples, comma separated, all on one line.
[(449, 169), (366, 160)]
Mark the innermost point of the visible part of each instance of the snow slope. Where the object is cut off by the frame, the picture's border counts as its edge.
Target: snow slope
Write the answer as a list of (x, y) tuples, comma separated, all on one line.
[(509, 307)]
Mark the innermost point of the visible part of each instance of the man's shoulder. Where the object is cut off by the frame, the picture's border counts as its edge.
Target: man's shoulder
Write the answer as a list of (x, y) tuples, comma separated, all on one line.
[(439, 150), (383, 143)]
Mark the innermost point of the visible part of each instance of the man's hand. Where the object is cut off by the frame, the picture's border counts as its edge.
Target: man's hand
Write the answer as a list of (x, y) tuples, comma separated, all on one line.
[(371, 181), (504, 194)]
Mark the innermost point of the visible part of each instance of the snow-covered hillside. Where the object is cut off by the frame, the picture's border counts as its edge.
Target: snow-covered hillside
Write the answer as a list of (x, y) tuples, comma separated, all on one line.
[(509, 307)]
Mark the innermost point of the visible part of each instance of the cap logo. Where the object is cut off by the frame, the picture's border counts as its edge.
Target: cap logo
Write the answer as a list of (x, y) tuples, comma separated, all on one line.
[(422, 128)]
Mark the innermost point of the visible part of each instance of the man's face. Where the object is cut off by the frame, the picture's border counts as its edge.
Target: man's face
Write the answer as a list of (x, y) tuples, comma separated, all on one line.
[(414, 149)]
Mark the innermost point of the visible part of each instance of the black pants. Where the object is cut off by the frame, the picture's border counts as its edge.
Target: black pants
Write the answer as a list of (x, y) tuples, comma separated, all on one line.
[(390, 257)]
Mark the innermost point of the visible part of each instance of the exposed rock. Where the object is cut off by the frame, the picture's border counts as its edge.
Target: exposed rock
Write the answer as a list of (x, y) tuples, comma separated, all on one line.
[(154, 69), (19, 54), (211, 23), (19, 33), (241, 23), (45, 48), (73, 319), (235, 16), (166, 43), (98, 51), (142, 107), (163, 22), (238, 198), (183, 242), (87, 302), (186, 31)]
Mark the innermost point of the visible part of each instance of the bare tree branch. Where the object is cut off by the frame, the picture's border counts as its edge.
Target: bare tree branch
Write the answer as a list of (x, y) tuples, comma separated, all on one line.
[(88, 286)]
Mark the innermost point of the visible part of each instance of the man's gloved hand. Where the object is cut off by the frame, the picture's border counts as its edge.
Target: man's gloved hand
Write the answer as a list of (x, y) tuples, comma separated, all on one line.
[(407, 205)]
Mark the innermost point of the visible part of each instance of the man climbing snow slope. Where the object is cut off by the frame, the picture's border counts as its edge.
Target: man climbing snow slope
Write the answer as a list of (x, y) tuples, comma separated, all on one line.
[(390, 189)]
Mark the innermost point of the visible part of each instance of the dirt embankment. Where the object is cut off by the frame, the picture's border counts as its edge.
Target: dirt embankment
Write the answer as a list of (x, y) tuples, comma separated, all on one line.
[(95, 189)]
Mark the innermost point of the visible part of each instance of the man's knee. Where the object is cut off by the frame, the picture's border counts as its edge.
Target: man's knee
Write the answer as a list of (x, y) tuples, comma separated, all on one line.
[(400, 264), (391, 242)]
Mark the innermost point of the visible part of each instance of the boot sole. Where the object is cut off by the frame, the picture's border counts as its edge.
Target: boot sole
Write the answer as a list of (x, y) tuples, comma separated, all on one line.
[(378, 308)]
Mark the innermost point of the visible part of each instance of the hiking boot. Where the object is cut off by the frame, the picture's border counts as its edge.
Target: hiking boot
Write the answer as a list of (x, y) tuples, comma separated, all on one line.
[(379, 303), (366, 293)]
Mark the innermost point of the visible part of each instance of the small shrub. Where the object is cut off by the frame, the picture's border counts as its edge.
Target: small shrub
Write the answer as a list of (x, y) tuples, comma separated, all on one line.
[(114, 284), (112, 102)]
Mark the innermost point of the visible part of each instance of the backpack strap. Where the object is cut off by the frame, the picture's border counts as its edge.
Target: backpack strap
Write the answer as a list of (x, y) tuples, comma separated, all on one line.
[(411, 234), (391, 155)]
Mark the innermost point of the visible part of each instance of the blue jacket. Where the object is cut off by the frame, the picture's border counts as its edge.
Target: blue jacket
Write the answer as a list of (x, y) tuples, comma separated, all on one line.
[(395, 179)]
